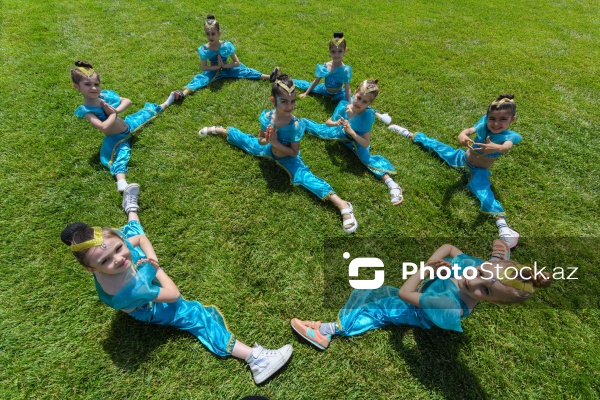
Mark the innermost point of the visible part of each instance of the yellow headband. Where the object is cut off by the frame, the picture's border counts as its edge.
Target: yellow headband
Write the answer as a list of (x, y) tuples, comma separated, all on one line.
[(87, 71), (502, 101), (210, 23), (369, 87), (337, 41), (98, 240), (286, 87), (519, 285)]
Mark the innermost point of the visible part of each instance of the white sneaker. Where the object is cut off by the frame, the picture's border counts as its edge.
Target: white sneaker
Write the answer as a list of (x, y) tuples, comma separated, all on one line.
[(400, 130), (130, 198), (385, 118), (266, 362), (508, 236)]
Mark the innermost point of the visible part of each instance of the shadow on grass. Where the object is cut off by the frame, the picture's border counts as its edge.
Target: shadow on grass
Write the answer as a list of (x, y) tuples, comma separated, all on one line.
[(342, 157), (131, 343), (277, 178), (435, 361)]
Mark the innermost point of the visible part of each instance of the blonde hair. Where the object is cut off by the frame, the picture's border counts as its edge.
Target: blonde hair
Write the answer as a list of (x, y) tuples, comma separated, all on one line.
[(525, 274)]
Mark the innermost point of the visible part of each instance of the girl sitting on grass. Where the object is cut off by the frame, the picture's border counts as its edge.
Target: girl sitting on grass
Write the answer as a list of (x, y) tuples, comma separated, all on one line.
[(432, 302), (492, 140), (279, 140), (129, 278), (351, 125), (217, 53), (337, 75), (102, 108)]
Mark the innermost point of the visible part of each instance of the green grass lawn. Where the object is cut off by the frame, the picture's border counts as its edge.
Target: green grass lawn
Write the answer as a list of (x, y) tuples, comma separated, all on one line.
[(231, 230)]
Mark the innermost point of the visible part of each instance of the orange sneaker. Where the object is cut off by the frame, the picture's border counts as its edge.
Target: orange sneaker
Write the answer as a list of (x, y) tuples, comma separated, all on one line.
[(309, 330)]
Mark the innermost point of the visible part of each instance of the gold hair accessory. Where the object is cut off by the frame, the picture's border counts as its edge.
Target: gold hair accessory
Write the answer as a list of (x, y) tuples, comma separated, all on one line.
[(519, 285), (337, 41), (286, 87), (98, 240), (87, 71), (369, 87), (502, 101), (210, 23)]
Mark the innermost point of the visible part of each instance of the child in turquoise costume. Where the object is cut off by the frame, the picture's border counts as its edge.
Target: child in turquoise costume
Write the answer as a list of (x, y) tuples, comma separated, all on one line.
[(217, 52), (441, 301), (101, 109), (129, 278), (337, 75), (279, 140), (492, 139), (351, 125)]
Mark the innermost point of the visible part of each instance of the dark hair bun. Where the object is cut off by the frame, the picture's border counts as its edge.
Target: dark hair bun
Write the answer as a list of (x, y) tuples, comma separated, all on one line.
[(83, 64), (338, 34), (505, 96), (67, 234), (210, 16)]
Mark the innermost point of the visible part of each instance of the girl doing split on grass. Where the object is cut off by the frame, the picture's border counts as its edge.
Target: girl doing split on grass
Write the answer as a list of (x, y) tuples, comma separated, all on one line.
[(279, 140), (351, 125), (432, 302), (129, 278), (214, 56), (337, 75), (492, 140), (102, 108)]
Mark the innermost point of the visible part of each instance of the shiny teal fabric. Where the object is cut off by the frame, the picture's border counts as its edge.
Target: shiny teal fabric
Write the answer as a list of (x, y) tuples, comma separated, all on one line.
[(206, 323), (115, 151), (361, 123), (440, 306), (479, 178), (225, 51)]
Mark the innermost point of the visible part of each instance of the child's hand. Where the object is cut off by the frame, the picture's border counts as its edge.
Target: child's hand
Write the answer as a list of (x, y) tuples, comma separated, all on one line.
[(271, 134), (220, 61), (108, 109), (486, 148), (464, 140), (152, 262), (349, 110), (435, 264), (340, 121)]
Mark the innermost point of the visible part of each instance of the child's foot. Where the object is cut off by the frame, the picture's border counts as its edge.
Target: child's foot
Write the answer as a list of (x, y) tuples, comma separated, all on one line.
[(500, 250), (264, 362), (349, 224), (208, 129), (385, 118), (309, 330), (400, 130), (130, 198), (508, 236), (396, 193)]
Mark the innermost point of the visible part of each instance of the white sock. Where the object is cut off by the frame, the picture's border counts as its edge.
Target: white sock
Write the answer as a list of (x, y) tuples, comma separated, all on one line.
[(121, 185), (502, 226), (170, 99), (390, 183), (327, 328)]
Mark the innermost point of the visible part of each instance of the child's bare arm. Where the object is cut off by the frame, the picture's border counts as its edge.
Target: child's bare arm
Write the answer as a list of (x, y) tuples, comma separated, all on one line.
[(311, 87), (124, 105), (463, 137)]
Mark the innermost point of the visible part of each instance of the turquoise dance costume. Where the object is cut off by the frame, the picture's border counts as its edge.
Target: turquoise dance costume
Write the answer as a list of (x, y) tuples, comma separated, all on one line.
[(116, 150), (292, 133), (335, 79), (479, 178), (440, 301), (206, 323), (361, 124), (225, 51)]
